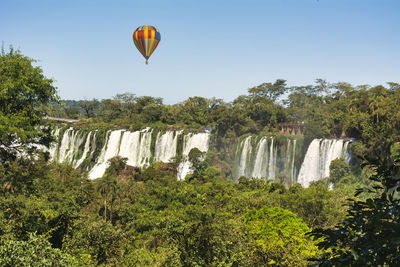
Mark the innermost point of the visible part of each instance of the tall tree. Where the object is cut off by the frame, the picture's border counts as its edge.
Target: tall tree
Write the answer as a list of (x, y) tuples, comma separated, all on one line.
[(23, 88)]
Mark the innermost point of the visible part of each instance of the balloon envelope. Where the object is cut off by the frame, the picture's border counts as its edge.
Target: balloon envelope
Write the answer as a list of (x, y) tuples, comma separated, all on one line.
[(146, 39)]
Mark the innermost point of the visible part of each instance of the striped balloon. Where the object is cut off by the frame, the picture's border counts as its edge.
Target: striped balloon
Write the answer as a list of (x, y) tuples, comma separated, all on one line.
[(146, 39)]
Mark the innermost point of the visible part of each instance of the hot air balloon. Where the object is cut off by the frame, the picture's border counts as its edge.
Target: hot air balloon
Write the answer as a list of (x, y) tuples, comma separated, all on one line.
[(146, 39)]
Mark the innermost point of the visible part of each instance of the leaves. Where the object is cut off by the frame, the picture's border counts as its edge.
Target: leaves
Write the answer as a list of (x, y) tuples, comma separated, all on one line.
[(23, 88)]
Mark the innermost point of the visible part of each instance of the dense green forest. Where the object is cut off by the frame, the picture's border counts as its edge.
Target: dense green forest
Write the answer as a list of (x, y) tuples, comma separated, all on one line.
[(52, 215)]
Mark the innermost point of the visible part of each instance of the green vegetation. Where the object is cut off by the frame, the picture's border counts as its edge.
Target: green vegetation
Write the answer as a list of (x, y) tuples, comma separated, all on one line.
[(51, 214), (150, 218), (370, 234), (23, 88)]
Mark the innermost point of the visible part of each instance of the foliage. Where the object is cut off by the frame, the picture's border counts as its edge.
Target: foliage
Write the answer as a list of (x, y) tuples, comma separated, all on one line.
[(23, 88), (94, 240), (90, 107), (280, 237), (369, 236), (36, 251)]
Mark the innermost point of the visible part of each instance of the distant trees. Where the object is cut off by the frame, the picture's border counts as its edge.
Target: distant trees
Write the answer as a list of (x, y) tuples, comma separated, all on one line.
[(90, 107), (326, 109)]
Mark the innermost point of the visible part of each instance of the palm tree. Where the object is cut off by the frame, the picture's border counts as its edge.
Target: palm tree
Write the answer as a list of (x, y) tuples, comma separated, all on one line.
[(107, 186)]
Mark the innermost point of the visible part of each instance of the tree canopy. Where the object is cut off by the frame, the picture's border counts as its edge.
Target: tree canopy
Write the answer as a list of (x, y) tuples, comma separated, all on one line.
[(23, 89)]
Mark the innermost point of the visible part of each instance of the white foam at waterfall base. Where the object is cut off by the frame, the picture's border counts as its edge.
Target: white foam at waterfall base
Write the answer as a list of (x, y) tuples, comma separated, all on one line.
[(191, 141), (319, 156), (110, 150)]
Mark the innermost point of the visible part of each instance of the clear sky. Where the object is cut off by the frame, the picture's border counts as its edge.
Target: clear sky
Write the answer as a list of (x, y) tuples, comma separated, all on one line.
[(210, 48)]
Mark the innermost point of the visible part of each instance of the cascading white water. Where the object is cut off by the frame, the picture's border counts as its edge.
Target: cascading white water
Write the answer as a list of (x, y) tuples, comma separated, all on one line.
[(130, 147), (64, 145), (264, 158), (246, 152), (165, 147), (272, 161), (110, 150), (70, 146), (190, 141), (318, 157), (85, 151), (268, 159), (144, 147), (73, 145), (293, 168), (260, 168), (136, 147)]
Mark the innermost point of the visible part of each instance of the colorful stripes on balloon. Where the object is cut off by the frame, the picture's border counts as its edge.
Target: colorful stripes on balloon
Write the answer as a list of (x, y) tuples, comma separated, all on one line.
[(146, 39)]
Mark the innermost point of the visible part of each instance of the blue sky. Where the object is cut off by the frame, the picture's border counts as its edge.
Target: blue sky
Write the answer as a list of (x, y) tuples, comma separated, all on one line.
[(208, 48)]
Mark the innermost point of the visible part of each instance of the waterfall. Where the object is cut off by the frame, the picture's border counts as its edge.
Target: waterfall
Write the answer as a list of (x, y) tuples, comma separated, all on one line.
[(255, 157), (69, 147), (293, 168), (77, 147), (266, 158), (165, 147), (259, 169), (110, 150), (68, 150), (85, 151), (190, 141), (64, 145), (246, 153), (272, 161), (319, 156), (136, 147)]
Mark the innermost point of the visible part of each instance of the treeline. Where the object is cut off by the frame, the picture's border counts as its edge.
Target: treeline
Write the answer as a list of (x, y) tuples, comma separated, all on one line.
[(327, 109)]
